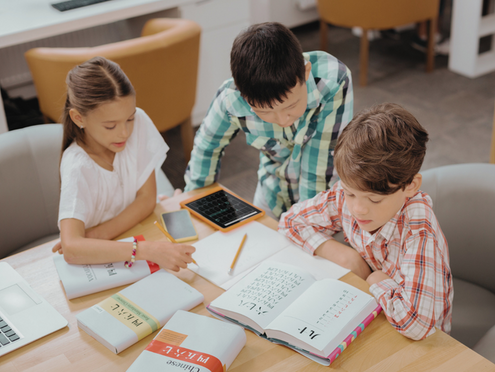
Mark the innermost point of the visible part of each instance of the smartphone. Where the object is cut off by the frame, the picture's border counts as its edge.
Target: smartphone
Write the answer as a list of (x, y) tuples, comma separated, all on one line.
[(179, 225)]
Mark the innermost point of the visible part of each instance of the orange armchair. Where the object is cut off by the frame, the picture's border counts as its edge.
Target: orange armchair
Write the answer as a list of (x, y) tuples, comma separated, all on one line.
[(162, 65), (377, 15)]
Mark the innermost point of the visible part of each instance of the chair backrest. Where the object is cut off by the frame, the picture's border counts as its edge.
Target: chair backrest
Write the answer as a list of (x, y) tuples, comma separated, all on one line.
[(492, 148), (464, 202), (29, 185), (376, 14), (162, 65)]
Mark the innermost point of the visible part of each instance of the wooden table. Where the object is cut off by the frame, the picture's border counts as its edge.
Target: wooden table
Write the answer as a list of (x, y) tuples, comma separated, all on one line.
[(378, 348)]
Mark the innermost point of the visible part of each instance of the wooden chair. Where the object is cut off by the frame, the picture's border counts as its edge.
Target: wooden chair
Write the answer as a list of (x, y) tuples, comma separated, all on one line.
[(377, 15), (162, 65)]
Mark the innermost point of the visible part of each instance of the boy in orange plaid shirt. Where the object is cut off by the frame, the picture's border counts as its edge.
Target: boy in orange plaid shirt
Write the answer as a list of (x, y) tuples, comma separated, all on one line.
[(396, 243)]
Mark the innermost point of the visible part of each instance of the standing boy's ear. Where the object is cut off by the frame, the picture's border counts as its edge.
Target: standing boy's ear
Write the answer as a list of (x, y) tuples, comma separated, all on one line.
[(414, 186), (76, 117), (307, 66)]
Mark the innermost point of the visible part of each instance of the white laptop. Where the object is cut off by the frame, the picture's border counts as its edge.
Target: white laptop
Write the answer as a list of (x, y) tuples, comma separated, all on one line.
[(24, 315)]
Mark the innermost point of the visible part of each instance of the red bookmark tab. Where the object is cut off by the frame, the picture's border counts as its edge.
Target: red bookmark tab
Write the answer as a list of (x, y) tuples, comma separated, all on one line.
[(153, 266), (186, 355)]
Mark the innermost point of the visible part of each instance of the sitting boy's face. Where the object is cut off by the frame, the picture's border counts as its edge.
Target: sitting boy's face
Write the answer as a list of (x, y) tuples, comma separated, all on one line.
[(285, 113), (371, 211)]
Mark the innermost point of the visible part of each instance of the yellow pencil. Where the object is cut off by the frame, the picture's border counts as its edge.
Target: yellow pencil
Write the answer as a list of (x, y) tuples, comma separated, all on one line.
[(165, 232), (237, 254)]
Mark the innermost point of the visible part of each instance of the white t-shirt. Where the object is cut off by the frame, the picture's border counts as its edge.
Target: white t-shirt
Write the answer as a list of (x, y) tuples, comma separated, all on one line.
[(93, 194)]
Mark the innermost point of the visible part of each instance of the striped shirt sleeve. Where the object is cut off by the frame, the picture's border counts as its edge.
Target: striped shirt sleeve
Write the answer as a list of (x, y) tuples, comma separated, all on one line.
[(214, 134), (312, 222)]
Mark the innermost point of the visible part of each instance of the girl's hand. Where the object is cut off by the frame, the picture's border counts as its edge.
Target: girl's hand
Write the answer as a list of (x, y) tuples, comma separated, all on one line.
[(58, 248), (171, 256)]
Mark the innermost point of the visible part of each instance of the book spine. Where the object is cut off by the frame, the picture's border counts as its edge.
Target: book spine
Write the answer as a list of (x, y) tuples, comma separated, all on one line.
[(360, 328), (221, 316)]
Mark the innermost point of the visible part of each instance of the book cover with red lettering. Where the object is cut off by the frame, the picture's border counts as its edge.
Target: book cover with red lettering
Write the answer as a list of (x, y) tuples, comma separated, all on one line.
[(288, 306), (137, 311), (192, 342), (82, 280)]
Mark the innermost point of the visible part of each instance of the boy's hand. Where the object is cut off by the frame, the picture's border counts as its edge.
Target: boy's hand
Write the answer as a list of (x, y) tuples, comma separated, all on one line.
[(344, 256), (376, 277)]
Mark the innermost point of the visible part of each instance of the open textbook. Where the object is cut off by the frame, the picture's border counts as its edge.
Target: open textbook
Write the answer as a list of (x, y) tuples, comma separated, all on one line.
[(214, 255), (288, 306), (81, 280)]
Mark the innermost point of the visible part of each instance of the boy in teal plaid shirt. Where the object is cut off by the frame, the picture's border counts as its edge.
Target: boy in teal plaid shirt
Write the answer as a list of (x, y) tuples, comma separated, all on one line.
[(291, 106)]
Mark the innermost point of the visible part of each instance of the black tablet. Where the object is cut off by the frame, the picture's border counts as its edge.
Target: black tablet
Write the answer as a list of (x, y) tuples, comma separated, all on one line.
[(222, 209)]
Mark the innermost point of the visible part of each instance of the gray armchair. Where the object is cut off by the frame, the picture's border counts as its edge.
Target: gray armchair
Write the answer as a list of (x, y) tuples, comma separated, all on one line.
[(464, 203), (30, 187)]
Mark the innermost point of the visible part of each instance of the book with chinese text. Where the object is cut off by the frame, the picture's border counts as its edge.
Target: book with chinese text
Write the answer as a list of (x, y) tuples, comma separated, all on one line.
[(286, 305), (81, 280), (138, 310), (192, 342)]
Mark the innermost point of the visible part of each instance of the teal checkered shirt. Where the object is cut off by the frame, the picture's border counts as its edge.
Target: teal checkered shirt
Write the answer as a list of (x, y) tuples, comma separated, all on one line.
[(296, 162)]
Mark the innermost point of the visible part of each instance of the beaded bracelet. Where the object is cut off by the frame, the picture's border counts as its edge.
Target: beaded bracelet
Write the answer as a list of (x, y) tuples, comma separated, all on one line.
[(133, 255)]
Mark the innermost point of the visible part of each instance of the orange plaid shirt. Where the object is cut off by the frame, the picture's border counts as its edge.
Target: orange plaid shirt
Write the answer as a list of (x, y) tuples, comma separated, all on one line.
[(410, 248)]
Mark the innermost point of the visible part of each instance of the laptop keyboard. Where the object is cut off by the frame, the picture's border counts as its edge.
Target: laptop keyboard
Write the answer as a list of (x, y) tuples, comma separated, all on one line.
[(7, 334)]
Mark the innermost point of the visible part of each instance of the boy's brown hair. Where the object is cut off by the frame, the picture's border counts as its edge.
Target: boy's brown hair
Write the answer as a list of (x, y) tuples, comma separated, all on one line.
[(266, 62), (381, 149)]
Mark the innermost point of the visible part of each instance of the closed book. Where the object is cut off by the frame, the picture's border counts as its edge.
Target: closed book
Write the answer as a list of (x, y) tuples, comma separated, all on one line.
[(288, 306), (82, 280), (192, 342), (138, 310)]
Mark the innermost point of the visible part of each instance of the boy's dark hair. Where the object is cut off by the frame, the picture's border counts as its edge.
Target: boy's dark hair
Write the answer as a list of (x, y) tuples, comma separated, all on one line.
[(266, 63), (381, 149)]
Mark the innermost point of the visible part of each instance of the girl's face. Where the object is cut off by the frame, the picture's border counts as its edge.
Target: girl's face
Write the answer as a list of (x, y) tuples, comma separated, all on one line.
[(108, 127)]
